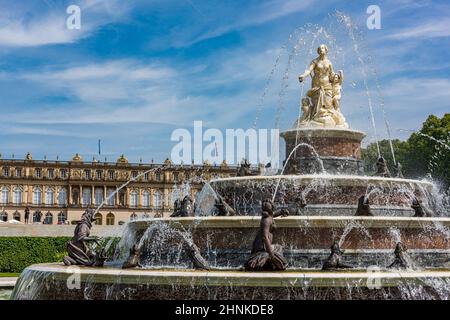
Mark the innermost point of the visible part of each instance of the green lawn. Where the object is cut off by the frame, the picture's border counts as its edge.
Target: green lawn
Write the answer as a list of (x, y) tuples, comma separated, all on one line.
[(8, 274)]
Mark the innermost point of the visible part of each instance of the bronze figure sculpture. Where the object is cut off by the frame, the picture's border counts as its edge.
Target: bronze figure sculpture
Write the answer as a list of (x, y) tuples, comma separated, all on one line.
[(334, 260), (244, 169), (185, 208), (363, 207), (402, 259), (133, 260), (265, 255), (223, 208), (382, 168), (78, 248), (420, 210)]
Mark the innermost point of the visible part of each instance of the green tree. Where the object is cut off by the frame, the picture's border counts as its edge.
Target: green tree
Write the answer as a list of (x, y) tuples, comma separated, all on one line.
[(425, 152), (370, 154)]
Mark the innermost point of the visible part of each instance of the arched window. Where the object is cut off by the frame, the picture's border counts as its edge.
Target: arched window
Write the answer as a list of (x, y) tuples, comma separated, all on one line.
[(62, 218), (16, 216), (111, 197), (133, 216), (98, 219), (110, 219), (86, 196), (157, 200), (37, 196), (37, 216), (146, 199), (98, 196), (4, 216), (62, 197), (134, 199), (48, 218), (49, 196), (17, 195), (5, 195)]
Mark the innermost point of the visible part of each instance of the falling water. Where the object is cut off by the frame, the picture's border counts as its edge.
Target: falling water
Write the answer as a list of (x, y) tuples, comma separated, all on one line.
[(322, 169)]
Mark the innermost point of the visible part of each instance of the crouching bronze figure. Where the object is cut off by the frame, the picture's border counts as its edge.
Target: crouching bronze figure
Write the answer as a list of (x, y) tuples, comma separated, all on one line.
[(79, 247), (265, 256)]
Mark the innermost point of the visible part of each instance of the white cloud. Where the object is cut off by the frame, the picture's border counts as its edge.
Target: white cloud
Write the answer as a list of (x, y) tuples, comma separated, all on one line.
[(29, 26), (437, 28), (252, 16)]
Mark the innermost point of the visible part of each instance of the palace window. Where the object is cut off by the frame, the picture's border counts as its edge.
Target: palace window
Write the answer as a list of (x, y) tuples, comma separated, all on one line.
[(98, 219), (48, 219), (18, 172), (111, 174), (62, 197), (111, 197), (99, 174), (110, 219), (37, 216), (4, 216), (146, 177), (63, 173), (175, 177), (134, 199), (86, 196), (87, 174), (17, 195), (16, 216), (49, 197), (146, 199), (37, 196), (51, 173), (62, 218), (158, 176), (98, 196), (157, 200), (6, 171), (134, 174), (5, 195), (38, 172)]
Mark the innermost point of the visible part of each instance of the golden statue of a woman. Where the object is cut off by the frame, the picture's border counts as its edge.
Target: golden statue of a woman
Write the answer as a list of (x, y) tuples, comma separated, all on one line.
[(324, 110)]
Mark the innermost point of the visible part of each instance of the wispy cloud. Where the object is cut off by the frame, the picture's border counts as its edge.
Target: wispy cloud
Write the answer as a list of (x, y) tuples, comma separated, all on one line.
[(252, 16), (32, 26), (437, 28)]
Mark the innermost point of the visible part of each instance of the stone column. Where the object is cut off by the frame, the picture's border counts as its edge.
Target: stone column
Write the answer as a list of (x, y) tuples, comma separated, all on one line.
[(139, 198), (80, 196), (151, 203), (69, 198), (127, 197), (104, 193), (92, 195)]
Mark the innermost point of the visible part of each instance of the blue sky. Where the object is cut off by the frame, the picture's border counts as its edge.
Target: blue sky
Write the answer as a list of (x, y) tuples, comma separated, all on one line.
[(137, 70)]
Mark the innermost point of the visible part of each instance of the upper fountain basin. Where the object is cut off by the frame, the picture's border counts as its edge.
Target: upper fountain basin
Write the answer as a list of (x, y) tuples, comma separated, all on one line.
[(324, 194)]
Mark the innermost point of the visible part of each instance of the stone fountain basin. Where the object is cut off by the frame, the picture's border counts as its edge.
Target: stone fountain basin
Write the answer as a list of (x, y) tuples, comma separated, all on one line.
[(226, 241), (49, 281), (324, 194)]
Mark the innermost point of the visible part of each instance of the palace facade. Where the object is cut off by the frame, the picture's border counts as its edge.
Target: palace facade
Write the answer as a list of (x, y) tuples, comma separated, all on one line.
[(58, 192)]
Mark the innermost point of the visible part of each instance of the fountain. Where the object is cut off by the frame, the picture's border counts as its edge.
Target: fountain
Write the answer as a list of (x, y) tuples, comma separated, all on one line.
[(324, 198)]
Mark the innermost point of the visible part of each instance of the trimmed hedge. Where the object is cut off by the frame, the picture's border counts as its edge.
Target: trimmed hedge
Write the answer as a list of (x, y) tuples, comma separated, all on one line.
[(17, 253)]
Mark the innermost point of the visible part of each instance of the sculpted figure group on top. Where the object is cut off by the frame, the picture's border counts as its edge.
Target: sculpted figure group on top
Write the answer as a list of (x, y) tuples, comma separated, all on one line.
[(321, 106)]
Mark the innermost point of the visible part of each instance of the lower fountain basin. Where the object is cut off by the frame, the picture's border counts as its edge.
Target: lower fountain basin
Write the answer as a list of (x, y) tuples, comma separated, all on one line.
[(225, 242), (50, 281), (324, 194)]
